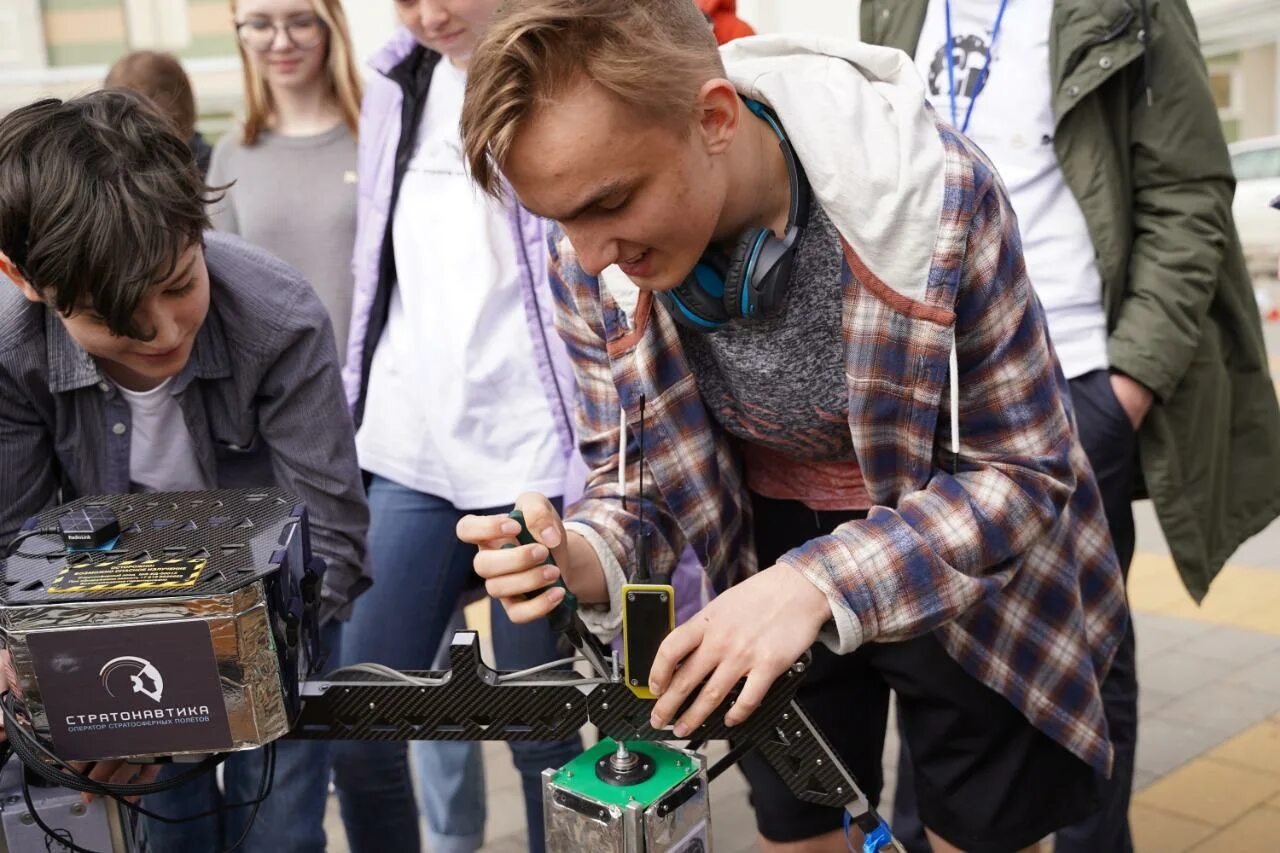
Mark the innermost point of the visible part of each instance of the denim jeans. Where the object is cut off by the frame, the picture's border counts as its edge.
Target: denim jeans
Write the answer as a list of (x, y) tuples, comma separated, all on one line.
[(420, 573), (289, 820)]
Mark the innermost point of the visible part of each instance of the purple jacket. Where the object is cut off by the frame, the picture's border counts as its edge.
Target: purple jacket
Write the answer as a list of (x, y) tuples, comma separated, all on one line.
[(401, 66), (382, 137)]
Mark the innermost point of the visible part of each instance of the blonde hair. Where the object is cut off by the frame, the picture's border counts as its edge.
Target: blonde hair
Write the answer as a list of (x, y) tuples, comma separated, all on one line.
[(340, 70), (653, 55)]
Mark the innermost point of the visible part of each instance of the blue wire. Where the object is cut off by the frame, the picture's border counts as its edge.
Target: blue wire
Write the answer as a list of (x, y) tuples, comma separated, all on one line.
[(951, 80)]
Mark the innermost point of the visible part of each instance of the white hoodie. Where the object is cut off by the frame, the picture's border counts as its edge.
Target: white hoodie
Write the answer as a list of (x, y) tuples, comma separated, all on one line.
[(858, 120), (856, 116)]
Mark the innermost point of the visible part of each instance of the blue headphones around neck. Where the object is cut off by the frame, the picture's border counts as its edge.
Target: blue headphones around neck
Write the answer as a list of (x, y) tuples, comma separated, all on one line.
[(751, 281)]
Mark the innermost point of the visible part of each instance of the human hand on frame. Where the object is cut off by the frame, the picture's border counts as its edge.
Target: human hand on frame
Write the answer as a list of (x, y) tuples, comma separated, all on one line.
[(755, 629)]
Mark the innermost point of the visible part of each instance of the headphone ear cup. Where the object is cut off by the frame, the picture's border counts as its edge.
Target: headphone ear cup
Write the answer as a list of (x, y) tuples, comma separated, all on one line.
[(735, 277), (696, 303)]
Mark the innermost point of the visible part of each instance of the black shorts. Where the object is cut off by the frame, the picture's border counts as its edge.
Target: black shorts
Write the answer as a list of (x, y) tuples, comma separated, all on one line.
[(986, 780)]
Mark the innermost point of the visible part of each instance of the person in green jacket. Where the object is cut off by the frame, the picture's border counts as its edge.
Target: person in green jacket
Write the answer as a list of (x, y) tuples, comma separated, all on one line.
[(1099, 117)]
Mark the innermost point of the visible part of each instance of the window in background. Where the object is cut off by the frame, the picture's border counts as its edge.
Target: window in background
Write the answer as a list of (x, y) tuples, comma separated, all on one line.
[(1227, 85), (157, 24)]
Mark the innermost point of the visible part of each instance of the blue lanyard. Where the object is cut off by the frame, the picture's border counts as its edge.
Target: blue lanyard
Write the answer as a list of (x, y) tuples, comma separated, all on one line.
[(982, 76)]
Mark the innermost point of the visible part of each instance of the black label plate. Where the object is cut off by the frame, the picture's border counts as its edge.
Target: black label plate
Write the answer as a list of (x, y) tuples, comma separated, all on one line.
[(131, 690)]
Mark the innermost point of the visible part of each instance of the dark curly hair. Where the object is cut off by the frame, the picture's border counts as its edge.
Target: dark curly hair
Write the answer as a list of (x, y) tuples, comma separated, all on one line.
[(99, 198)]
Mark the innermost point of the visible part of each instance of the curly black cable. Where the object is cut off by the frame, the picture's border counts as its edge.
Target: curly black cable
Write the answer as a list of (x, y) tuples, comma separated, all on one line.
[(37, 757), (64, 838), (60, 835)]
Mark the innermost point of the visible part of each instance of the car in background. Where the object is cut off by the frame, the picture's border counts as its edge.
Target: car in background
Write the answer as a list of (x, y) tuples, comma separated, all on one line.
[(1256, 164)]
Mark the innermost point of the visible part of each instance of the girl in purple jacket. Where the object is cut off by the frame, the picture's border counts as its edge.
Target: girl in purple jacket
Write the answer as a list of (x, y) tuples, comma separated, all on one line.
[(461, 394)]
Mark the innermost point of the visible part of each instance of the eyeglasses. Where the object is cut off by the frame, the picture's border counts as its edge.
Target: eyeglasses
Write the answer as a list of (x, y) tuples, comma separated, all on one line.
[(259, 34)]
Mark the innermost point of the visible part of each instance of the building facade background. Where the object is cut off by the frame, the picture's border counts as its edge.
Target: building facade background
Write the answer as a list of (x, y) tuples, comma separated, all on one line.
[(61, 47)]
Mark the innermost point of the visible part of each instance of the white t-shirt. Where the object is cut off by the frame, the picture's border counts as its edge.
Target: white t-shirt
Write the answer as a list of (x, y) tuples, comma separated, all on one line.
[(455, 407), (162, 456), (1012, 121)]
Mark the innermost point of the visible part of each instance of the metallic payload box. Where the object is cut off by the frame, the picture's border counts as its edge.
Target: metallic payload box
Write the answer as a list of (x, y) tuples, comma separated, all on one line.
[(590, 805), (184, 636)]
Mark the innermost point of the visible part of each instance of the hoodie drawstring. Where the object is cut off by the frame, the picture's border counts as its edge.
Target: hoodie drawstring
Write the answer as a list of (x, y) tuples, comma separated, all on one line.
[(954, 362)]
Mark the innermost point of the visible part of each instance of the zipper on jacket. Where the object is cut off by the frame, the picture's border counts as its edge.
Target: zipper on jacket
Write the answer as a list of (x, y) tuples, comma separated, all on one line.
[(413, 75)]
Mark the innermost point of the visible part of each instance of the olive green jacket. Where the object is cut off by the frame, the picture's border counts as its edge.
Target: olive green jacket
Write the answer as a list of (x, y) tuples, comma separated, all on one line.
[(1150, 170)]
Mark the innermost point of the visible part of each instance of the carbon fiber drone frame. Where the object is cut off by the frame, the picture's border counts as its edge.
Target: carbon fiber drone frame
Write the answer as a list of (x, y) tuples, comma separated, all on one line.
[(473, 702)]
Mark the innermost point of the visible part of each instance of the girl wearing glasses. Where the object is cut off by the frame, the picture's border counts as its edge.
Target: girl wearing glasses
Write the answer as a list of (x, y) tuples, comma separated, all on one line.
[(293, 160)]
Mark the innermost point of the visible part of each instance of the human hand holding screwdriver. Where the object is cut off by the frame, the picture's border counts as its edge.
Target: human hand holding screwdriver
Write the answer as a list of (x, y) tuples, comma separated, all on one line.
[(756, 629)]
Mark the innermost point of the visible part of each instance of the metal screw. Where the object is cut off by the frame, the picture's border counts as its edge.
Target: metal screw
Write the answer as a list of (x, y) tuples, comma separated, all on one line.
[(604, 706), (635, 682), (78, 809), (27, 819), (568, 774), (797, 733), (662, 597), (819, 762), (631, 596), (839, 789), (372, 706), (786, 716)]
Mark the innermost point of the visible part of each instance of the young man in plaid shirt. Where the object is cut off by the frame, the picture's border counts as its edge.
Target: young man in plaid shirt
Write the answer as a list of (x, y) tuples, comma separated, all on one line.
[(857, 421)]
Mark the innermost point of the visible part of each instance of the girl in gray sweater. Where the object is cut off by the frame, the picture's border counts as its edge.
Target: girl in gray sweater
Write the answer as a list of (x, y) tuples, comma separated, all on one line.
[(292, 164)]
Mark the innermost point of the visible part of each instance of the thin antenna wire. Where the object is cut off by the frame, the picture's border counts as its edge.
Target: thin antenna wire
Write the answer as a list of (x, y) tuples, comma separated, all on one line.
[(641, 495), (642, 544)]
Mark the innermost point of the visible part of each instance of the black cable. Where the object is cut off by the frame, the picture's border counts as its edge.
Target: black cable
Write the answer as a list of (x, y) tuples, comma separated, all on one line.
[(60, 835), (36, 756), (23, 535), (66, 840), (35, 760), (264, 789), (732, 757)]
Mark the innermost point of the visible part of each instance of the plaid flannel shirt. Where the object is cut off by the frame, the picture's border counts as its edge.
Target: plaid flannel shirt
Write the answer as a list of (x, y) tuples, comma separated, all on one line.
[(1001, 548)]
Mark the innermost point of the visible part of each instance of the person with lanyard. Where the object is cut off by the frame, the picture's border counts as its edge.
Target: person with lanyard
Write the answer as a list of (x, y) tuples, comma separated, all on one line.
[(1100, 120), (853, 413)]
